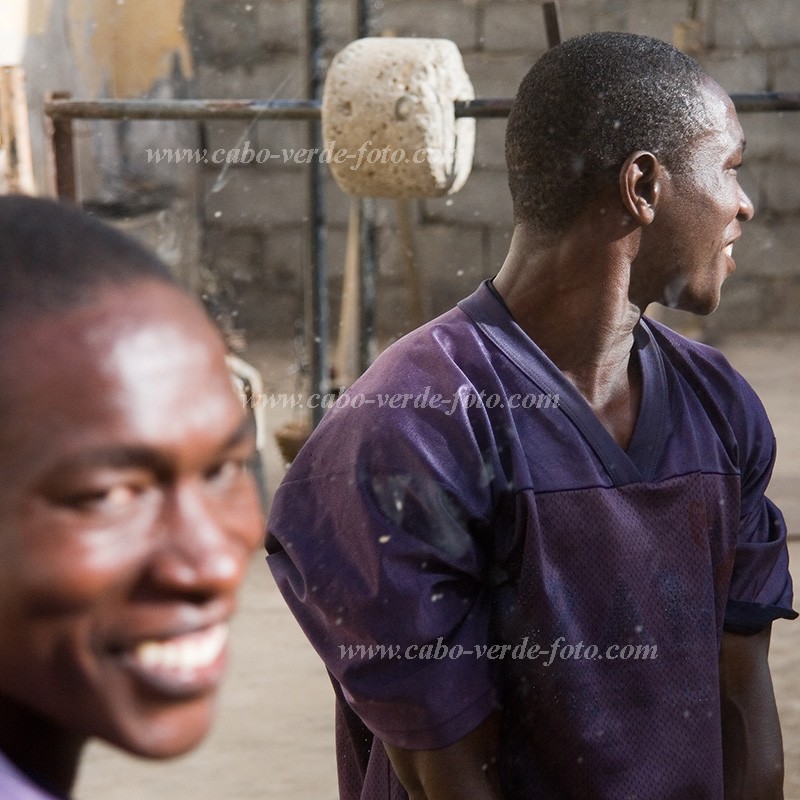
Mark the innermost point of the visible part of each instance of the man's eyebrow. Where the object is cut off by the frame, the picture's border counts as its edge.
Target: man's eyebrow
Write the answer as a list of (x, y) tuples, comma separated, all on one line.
[(145, 457), (117, 457), (246, 430)]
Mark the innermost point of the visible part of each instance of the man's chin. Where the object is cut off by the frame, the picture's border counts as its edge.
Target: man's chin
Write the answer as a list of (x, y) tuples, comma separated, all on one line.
[(701, 305)]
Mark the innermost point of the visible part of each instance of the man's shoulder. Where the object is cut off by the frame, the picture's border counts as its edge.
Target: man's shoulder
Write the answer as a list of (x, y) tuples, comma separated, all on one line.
[(726, 396), (700, 363), (439, 349)]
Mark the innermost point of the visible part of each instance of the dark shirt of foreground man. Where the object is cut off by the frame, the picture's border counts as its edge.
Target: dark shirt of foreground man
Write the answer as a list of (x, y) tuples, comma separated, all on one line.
[(127, 516), (588, 497)]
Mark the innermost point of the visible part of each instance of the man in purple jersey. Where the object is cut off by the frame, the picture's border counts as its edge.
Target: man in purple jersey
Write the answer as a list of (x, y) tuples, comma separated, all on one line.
[(127, 516), (532, 543)]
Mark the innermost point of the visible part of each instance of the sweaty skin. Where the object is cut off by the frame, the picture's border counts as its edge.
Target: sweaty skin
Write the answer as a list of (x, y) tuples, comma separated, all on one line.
[(127, 519), (654, 237)]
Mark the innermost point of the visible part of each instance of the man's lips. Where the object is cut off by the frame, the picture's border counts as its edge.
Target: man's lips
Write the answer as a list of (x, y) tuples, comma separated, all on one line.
[(179, 666), (729, 250)]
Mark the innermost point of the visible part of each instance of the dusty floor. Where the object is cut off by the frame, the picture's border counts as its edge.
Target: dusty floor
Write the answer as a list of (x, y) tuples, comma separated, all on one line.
[(273, 739)]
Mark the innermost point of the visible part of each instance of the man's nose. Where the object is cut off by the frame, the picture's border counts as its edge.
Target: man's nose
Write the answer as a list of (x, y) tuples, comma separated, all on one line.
[(746, 208), (200, 551)]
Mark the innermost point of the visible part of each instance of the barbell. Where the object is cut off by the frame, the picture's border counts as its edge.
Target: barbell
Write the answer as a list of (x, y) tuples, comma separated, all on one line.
[(398, 115)]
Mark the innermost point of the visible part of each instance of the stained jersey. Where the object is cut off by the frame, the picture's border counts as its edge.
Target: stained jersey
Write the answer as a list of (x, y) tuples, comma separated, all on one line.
[(516, 519), (14, 785)]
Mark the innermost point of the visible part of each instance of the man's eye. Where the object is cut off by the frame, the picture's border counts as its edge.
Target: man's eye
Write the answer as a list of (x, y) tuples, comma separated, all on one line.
[(115, 499), (227, 473)]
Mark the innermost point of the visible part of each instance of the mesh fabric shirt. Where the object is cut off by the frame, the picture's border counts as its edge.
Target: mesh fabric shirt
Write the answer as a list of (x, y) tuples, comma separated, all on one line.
[(518, 520)]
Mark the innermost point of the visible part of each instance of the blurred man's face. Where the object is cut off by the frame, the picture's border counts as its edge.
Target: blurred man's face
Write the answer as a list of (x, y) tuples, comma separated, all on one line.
[(127, 519)]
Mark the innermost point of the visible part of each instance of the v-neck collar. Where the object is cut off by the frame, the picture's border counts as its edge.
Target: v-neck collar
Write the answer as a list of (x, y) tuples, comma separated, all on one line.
[(639, 460)]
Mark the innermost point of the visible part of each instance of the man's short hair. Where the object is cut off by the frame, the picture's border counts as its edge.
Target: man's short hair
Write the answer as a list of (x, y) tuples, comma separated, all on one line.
[(54, 257), (583, 108)]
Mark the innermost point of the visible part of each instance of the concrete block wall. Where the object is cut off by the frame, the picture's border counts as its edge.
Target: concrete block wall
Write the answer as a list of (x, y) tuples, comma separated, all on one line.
[(256, 215)]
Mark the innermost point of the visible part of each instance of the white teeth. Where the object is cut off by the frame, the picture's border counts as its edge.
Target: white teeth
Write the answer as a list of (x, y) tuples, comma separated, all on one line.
[(186, 653), (729, 250)]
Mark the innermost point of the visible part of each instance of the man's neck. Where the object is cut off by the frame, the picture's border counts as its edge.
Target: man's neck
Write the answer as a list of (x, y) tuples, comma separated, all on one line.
[(571, 298)]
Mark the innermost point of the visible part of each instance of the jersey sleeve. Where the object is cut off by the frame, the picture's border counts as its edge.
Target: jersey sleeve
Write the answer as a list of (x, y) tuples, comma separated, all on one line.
[(382, 560), (761, 586)]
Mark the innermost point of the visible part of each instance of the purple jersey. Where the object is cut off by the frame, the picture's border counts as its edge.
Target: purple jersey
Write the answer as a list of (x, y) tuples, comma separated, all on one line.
[(514, 518), (14, 785)]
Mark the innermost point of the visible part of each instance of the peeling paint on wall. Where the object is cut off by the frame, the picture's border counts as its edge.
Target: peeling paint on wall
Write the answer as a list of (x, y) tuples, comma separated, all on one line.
[(125, 47)]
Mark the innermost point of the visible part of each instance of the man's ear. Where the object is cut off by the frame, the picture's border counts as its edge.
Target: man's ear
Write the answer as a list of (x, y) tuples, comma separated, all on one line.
[(640, 186)]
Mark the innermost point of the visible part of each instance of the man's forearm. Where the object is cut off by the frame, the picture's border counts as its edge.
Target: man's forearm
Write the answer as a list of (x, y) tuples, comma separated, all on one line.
[(466, 770), (751, 734)]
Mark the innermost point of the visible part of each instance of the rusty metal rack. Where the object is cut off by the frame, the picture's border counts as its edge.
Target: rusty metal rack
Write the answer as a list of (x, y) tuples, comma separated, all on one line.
[(481, 108), (61, 110)]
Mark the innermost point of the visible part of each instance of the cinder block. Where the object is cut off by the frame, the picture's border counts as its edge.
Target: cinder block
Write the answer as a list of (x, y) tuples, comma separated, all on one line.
[(658, 18), (212, 31), (786, 75), (446, 19), (229, 134), (499, 242), (244, 33), (450, 261), (741, 307), (286, 257), (337, 203), (338, 23), (283, 134), (485, 200), (655, 18), (576, 18), (782, 302), (256, 197), (768, 247), (142, 140), (336, 250), (173, 234), (450, 253), (237, 254), (744, 25), (490, 144), (497, 75), (566, 5), (781, 189), (772, 135), (514, 26), (283, 77), (737, 72), (280, 24)]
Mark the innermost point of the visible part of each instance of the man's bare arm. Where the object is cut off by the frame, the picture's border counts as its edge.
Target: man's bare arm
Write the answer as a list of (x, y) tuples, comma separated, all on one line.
[(465, 770), (751, 734)]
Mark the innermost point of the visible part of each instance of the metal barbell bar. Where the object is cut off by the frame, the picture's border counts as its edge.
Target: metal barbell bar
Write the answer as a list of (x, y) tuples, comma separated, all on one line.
[(480, 108)]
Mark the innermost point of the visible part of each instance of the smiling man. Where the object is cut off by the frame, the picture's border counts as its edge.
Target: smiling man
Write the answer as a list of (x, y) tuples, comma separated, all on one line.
[(127, 516), (577, 594)]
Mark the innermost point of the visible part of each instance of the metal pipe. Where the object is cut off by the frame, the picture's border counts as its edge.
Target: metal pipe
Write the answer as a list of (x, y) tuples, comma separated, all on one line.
[(552, 22), (767, 101), (320, 316), (182, 109), (62, 152), (481, 108), (368, 262), (364, 18)]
